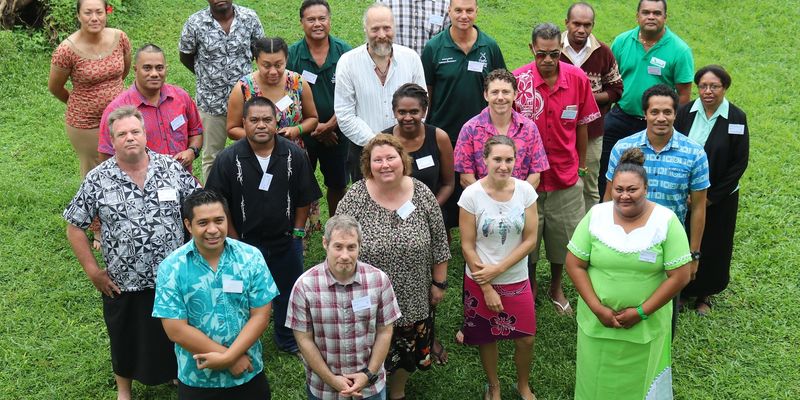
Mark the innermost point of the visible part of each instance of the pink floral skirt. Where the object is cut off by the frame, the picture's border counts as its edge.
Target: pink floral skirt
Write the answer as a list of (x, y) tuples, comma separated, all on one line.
[(482, 326)]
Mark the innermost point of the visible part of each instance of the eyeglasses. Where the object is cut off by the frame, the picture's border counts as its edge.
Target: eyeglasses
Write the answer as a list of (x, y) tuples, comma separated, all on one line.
[(713, 87), (544, 54)]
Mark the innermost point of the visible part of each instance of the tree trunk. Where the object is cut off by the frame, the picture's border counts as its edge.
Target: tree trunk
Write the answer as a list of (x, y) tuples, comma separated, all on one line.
[(9, 10)]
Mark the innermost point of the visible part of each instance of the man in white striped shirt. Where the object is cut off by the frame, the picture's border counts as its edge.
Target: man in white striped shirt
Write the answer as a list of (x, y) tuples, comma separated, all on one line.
[(366, 79)]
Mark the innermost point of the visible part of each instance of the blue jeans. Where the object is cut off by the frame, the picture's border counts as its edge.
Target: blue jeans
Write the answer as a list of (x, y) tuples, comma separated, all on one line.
[(285, 266), (378, 396)]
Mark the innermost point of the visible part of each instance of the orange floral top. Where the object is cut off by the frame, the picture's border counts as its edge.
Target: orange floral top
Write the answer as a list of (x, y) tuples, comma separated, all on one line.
[(96, 80)]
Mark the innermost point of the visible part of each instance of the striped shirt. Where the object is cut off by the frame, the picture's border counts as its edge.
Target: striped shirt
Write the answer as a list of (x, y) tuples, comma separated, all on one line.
[(344, 324), (363, 105), (679, 168), (417, 21)]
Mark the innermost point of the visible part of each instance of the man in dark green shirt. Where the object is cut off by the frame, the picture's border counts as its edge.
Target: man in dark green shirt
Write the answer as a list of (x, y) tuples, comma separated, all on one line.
[(315, 57)]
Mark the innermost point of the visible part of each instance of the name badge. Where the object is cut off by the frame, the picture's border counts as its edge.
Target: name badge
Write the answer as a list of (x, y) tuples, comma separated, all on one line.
[(476, 66), (361, 303), (736, 129), (425, 162), (406, 209), (168, 194), (232, 285), (653, 70), (266, 180), (177, 122), (284, 103), (435, 19), (570, 112), (647, 256), (659, 62), (310, 77)]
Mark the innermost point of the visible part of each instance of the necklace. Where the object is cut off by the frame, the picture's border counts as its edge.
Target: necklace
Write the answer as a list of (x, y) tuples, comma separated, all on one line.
[(647, 43)]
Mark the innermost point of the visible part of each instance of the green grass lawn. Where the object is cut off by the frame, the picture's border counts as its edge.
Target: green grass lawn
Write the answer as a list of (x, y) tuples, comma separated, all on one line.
[(53, 342)]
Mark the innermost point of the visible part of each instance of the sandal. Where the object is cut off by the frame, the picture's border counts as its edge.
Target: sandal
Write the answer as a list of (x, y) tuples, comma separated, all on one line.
[(486, 394), (439, 357), (702, 306), (562, 309), (460, 337)]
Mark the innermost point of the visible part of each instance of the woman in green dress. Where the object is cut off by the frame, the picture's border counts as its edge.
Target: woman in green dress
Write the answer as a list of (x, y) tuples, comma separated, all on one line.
[(627, 258)]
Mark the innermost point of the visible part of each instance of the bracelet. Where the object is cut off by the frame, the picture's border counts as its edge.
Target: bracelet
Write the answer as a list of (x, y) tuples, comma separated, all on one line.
[(440, 285), (582, 171), (300, 127), (641, 313), (299, 233), (195, 150)]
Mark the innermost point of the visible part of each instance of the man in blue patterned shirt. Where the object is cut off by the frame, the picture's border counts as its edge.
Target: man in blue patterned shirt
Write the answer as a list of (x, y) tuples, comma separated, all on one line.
[(213, 295)]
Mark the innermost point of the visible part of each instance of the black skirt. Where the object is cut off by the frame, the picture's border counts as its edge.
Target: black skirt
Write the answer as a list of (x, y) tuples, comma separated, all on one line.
[(140, 349), (713, 272), (256, 389)]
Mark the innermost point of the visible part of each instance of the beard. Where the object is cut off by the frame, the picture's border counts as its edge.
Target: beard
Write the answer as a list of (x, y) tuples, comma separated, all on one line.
[(381, 49)]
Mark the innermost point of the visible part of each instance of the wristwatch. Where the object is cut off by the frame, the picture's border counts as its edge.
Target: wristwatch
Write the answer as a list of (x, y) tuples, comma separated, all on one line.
[(440, 285), (371, 378), (696, 255), (196, 151), (583, 171), (299, 233)]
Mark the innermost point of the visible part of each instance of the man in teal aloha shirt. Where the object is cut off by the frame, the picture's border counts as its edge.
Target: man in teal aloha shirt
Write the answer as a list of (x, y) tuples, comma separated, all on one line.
[(213, 295)]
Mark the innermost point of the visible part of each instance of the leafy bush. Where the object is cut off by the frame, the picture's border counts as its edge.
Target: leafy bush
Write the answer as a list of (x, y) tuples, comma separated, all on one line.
[(60, 20)]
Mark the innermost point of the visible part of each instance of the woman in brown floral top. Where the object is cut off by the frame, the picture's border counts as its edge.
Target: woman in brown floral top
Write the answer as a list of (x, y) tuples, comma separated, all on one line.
[(404, 236)]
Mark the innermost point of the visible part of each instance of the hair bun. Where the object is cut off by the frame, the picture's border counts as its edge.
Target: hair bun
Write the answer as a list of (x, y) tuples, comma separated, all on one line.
[(633, 155)]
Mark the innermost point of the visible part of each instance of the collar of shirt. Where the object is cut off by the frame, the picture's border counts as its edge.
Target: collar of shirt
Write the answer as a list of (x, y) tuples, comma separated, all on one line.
[(330, 280), (645, 142), (305, 54), (451, 43), (561, 81), (592, 44), (223, 258), (246, 151), (485, 122), (165, 93), (151, 168), (661, 42), (208, 18), (722, 110)]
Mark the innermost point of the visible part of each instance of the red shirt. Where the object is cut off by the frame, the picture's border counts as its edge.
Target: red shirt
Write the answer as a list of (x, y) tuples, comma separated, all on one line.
[(168, 126), (557, 112)]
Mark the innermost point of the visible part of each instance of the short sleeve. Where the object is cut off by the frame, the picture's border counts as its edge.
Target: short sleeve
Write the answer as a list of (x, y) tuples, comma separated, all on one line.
[(581, 243), (389, 309), (187, 44), (307, 189), (262, 287), (700, 177), (676, 246), (125, 43), (63, 58), (467, 200), (684, 67), (497, 58), (529, 194), (258, 29), (462, 153), (84, 206), (613, 159), (104, 134), (428, 66), (588, 111), (297, 312), (440, 248), (168, 302)]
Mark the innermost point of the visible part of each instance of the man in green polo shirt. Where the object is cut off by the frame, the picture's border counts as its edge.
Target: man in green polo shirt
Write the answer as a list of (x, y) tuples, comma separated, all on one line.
[(647, 55), (315, 57)]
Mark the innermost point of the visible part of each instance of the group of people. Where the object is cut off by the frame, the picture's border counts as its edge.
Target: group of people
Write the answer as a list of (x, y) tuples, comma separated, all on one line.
[(596, 151)]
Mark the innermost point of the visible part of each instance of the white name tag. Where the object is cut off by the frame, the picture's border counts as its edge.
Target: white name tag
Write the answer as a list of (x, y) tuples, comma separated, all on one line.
[(361, 303), (232, 286), (653, 70), (177, 122), (424, 162), (310, 77), (647, 256), (168, 194), (476, 66), (406, 209), (569, 114), (659, 62), (284, 103), (266, 180), (736, 129), (435, 19)]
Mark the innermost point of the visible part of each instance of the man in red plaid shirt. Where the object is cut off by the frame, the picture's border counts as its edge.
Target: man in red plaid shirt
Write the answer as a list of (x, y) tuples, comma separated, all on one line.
[(342, 311)]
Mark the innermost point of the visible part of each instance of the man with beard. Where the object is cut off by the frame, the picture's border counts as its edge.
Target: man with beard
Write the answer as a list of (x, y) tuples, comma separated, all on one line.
[(581, 49), (171, 120), (268, 182), (216, 45), (366, 79), (340, 363), (647, 55)]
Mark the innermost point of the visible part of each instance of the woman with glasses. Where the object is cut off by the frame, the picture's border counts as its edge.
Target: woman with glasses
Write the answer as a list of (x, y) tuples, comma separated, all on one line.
[(721, 128)]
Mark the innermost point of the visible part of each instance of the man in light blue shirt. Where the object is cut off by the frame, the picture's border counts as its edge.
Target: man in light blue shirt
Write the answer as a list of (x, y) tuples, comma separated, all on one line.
[(213, 295)]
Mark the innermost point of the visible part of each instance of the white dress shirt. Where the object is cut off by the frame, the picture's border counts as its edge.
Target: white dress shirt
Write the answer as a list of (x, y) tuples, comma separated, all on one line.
[(363, 105)]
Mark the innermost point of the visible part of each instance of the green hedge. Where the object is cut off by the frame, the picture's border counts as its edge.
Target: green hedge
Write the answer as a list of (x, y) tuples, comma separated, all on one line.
[(60, 18)]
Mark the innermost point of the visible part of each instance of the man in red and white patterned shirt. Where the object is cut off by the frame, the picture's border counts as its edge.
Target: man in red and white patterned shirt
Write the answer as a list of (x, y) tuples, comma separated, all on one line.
[(342, 311)]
